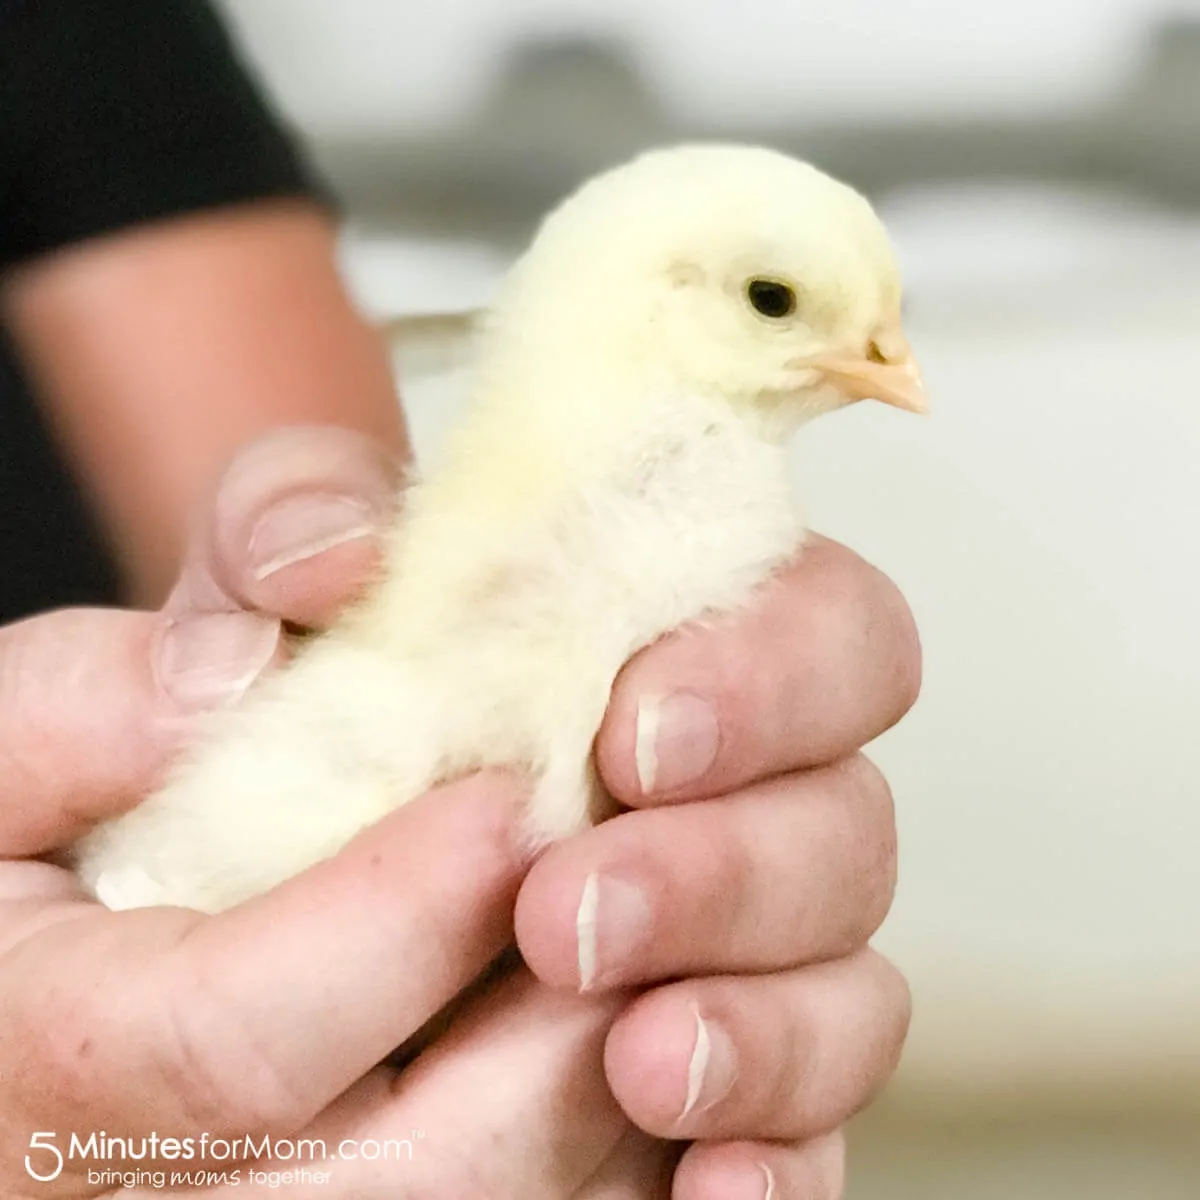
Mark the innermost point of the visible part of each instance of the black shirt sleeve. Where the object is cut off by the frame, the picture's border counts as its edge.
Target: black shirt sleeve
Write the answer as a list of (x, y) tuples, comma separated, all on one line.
[(118, 112), (113, 113), (51, 550)]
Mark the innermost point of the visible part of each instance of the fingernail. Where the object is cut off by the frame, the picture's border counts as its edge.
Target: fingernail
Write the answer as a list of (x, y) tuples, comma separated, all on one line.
[(712, 1068), (676, 740), (769, 1180), (305, 526), (613, 919), (203, 662)]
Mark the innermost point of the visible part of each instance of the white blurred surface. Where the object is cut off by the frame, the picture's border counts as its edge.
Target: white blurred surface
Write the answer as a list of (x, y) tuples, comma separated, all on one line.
[(1041, 524), (379, 64)]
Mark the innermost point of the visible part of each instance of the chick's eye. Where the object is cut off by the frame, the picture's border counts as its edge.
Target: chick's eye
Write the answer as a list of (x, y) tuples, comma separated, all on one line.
[(771, 298)]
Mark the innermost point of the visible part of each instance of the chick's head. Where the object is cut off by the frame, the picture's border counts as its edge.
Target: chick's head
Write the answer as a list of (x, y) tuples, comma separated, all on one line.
[(732, 270)]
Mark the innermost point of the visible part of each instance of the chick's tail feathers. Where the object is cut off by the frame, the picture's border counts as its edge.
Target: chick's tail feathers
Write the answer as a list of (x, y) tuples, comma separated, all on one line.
[(313, 756)]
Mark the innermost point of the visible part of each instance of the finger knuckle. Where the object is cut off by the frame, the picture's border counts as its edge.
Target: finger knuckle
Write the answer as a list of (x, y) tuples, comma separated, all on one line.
[(788, 1099), (228, 1084), (862, 606), (875, 864), (737, 861), (886, 1002), (899, 624), (897, 1002), (870, 787)]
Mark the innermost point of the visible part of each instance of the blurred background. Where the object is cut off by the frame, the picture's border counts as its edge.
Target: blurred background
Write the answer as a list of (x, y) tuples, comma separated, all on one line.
[(1038, 162)]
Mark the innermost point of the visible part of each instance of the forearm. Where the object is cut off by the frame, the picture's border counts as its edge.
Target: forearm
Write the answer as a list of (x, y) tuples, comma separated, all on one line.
[(160, 350)]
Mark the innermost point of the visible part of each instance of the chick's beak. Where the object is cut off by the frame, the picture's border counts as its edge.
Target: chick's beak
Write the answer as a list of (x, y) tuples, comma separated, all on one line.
[(887, 371)]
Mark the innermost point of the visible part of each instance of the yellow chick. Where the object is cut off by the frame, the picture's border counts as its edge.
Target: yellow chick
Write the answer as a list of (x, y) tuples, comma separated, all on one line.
[(621, 471)]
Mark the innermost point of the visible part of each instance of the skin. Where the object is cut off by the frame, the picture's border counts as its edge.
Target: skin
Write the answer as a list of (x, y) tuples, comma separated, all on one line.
[(802, 866), (760, 926), (162, 349)]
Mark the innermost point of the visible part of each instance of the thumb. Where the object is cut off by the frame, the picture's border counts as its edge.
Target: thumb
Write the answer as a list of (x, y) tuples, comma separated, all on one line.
[(94, 702), (295, 529)]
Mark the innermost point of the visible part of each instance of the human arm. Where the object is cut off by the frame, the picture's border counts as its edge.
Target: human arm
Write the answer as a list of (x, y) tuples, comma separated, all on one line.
[(167, 265), (161, 350)]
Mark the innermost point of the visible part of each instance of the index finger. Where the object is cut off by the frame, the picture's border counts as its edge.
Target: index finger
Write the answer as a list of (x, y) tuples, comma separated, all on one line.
[(824, 660)]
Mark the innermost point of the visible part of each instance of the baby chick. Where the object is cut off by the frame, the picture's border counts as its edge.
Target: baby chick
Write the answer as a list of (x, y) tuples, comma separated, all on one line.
[(621, 471)]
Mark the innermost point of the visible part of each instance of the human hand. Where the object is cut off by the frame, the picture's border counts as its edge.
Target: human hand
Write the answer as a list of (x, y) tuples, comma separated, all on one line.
[(271, 1018), (757, 898), (222, 577)]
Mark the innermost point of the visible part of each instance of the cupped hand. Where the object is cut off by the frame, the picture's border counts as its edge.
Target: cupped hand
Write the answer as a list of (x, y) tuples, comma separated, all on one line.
[(746, 912), (270, 1020), (755, 900)]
